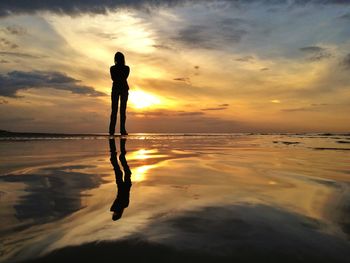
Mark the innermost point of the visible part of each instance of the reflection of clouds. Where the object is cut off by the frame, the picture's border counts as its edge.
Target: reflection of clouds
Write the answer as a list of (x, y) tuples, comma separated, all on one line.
[(261, 229), (242, 233), (52, 192)]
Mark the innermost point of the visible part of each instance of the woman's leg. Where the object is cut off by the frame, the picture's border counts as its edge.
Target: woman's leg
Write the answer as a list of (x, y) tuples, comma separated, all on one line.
[(123, 103), (115, 100)]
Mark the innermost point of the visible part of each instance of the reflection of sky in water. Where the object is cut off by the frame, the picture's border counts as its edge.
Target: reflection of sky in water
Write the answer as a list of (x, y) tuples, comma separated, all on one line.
[(218, 195)]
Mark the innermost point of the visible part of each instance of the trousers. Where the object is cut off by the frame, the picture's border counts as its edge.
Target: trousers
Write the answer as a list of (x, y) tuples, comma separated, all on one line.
[(115, 96)]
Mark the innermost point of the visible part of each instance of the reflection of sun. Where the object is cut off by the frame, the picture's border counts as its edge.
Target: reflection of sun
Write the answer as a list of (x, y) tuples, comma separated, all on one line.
[(140, 173), (142, 154), (140, 99)]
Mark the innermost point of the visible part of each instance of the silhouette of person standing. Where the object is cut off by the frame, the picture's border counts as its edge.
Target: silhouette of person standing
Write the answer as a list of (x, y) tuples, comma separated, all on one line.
[(120, 89), (123, 184)]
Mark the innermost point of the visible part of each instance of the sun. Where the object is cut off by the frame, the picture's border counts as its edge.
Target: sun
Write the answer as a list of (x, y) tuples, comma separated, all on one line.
[(140, 99)]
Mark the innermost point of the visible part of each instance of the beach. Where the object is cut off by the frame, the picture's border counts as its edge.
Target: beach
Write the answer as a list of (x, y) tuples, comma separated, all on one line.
[(190, 197)]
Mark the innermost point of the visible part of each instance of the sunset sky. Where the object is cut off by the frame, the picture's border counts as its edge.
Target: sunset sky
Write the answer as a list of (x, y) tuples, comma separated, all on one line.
[(196, 66)]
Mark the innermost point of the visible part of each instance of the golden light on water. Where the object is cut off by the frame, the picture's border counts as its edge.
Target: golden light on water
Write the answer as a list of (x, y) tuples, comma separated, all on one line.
[(140, 172), (142, 154)]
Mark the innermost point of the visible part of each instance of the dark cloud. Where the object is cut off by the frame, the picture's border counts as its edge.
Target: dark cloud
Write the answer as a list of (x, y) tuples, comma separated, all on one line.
[(15, 30), (20, 55), (245, 59), (194, 35), (264, 69), (315, 53), (182, 79), (217, 108), (12, 82), (161, 46), (319, 104), (345, 16), (312, 49), (223, 106), (10, 7), (210, 36), (4, 43), (346, 61), (297, 109), (190, 113)]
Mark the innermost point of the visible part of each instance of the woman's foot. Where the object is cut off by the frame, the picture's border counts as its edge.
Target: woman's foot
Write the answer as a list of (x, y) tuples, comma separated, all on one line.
[(123, 132)]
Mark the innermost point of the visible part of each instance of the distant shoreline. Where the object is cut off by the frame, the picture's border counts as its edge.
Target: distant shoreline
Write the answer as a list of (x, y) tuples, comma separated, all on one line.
[(4, 133), (10, 134)]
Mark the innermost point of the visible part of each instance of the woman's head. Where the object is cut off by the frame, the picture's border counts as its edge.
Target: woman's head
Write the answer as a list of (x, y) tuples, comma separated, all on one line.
[(119, 58)]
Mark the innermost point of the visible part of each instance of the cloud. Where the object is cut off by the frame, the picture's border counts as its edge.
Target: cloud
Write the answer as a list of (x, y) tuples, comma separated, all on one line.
[(4, 61), (160, 113), (211, 35), (15, 30), (312, 49), (315, 53), (14, 81), (182, 79), (20, 55), (2, 101), (10, 7), (100, 33), (164, 47), (190, 113), (346, 61), (210, 109), (4, 43), (297, 109), (245, 59), (345, 16), (319, 104), (181, 121), (223, 106)]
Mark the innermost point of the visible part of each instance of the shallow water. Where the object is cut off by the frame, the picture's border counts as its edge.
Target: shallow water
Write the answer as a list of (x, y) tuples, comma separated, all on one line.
[(201, 197)]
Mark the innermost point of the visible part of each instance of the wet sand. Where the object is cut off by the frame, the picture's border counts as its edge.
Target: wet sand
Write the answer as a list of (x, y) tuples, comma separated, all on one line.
[(209, 198)]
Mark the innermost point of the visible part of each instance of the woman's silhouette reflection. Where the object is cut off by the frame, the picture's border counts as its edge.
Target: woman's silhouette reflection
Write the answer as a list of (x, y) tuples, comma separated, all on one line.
[(123, 184)]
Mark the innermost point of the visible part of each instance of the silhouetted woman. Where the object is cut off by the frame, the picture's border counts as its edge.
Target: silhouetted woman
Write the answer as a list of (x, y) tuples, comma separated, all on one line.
[(120, 89)]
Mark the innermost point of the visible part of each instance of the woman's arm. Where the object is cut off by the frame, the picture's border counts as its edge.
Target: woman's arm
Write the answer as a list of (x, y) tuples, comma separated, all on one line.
[(112, 73), (127, 71)]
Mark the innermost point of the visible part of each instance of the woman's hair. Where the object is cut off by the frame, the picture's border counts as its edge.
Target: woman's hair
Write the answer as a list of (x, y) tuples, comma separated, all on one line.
[(119, 58)]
